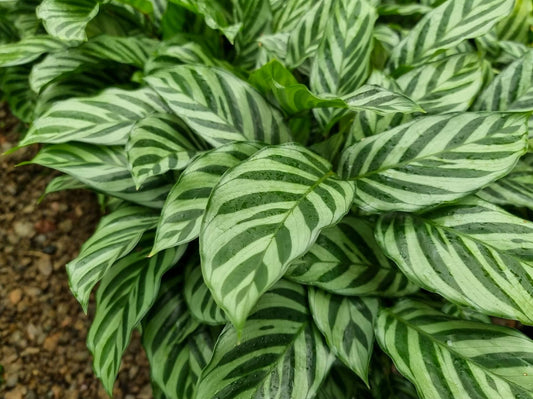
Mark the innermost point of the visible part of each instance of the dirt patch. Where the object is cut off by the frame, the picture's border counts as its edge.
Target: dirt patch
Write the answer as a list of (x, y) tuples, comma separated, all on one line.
[(42, 327)]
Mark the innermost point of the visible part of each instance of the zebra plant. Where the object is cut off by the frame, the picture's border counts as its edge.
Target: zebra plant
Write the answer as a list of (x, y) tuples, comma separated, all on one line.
[(323, 199)]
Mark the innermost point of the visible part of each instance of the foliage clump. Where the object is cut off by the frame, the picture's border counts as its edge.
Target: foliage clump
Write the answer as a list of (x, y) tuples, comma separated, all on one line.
[(300, 193)]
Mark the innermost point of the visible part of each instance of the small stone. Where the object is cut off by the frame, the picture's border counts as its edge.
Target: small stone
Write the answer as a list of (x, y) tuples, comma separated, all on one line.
[(44, 265), (57, 391), (23, 229), (71, 394), (11, 380), (14, 394), (15, 296), (50, 249), (44, 226), (50, 342), (31, 395), (65, 226)]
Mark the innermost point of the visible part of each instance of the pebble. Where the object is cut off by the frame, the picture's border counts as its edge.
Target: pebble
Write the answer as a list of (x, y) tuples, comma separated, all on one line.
[(14, 394), (65, 226), (44, 264), (23, 229), (15, 296)]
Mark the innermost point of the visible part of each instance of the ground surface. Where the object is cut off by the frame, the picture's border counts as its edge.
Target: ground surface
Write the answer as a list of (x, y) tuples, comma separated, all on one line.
[(42, 327)]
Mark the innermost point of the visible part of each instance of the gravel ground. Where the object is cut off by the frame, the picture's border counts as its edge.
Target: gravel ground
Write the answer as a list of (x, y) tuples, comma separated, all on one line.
[(42, 327)]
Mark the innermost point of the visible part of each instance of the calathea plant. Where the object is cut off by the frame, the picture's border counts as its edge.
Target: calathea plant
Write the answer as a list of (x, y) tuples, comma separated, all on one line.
[(306, 199)]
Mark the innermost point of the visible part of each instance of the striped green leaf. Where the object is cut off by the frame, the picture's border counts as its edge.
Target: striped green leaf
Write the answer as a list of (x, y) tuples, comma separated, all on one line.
[(515, 26), (447, 85), (293, 97), (159, 143), (176, 349), (67, 19), (14, 86), (198, 297), (511, 90), (348, 325), (105, 119), (116, 236), (472, 253), (63, 182), (185, 205), (256, 19), (279, 352), (123, 297), (342, 62), (433, 160), (403, 9), (263, 214), (288, 14), (514, 189), (92, 55), (446, 26), (216, 16), (28, 49), (346, 260), (105, 169), (340, 383), (218, 106), (448, 358), (306, 36), (180, 50)]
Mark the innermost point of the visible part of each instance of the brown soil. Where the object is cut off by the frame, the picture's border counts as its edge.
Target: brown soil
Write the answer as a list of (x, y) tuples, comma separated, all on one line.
[(42, 327)]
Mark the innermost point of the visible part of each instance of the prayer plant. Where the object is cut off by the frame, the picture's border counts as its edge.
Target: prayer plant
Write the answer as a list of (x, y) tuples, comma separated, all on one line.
[(324, 199)]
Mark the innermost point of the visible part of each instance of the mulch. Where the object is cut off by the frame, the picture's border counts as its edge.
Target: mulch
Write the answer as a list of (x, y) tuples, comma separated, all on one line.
[(42, 327)]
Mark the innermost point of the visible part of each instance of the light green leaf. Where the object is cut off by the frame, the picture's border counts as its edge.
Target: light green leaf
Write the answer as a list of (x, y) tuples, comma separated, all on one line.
[(263, 214), (472, 253), (198, 297), (469, 360), (144, 6), (116, 236), (159, 143), (105, 169), (28, 49), (218, 106), (306, 36), (176, 349), (133, 50), (445, 27), (342, 62), (433, 160), (279, 352), (185, 205), (511, 90), (514, 189), (348, 325), (346, 260), (103, 119), (67, 19), (123, 297)]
